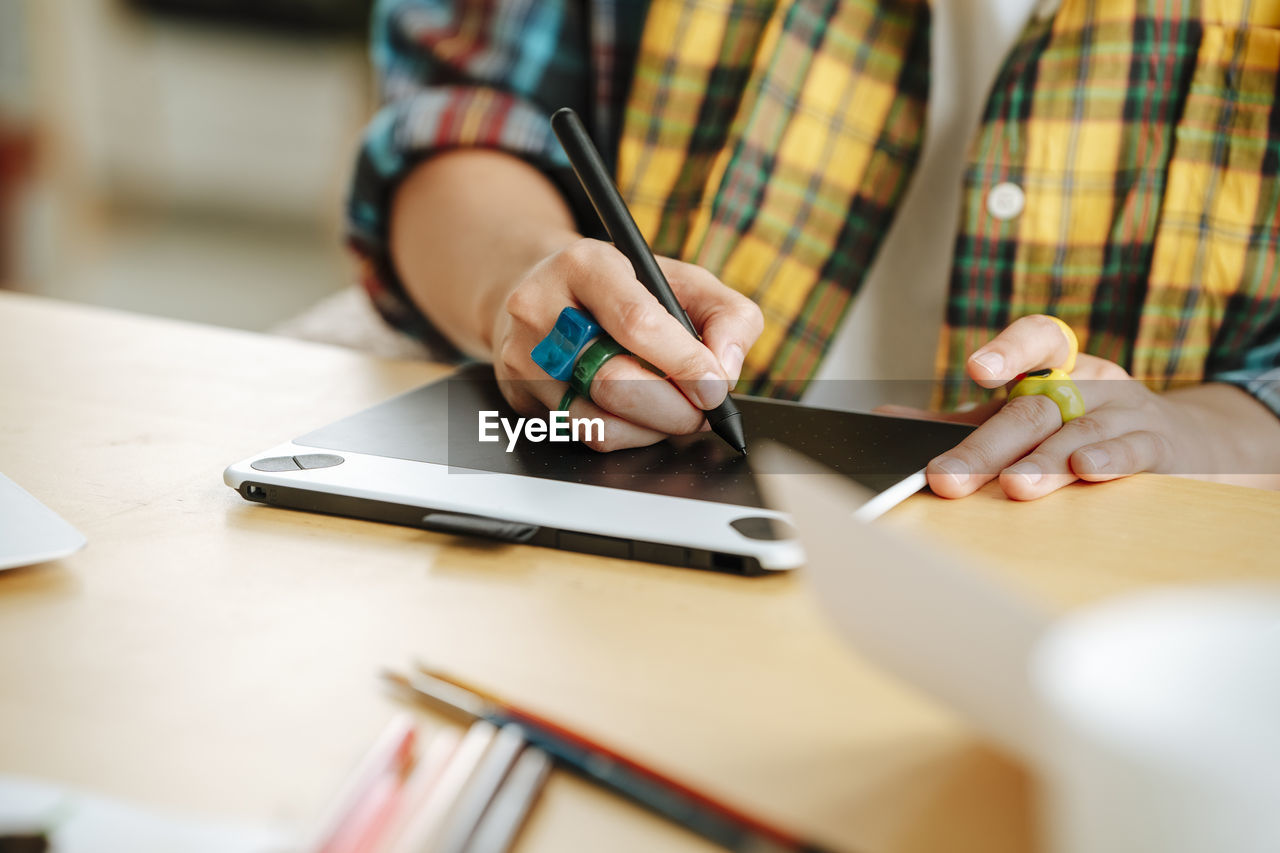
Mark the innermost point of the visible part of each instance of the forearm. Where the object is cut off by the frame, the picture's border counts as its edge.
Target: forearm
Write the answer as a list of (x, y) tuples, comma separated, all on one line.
[(1234, 438), (465, 226)]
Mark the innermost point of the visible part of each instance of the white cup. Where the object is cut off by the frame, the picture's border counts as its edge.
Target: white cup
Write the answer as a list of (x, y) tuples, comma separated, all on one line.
[(1161, 724)]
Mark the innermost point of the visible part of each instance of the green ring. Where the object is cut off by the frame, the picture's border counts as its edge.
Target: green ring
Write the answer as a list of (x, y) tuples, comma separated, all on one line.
[(590, 362), (567, 400)]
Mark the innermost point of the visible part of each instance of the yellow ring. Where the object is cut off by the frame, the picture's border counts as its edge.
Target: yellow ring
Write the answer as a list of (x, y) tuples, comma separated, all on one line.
[(1056, 384), (1073, 345)]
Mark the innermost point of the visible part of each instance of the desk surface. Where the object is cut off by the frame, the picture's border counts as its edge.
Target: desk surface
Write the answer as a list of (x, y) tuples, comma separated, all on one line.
[(218, 657)]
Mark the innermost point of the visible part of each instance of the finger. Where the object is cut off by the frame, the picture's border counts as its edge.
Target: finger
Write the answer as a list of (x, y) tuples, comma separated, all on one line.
[(1103, 382), (1029, 343), (633, 393), (1090, 368), (1048, 467), (728, 321), (976, 415), (626, 389), (628, 392), (1008, 435), (617, 432), (635, 319), (1131, 453), (517, 395)]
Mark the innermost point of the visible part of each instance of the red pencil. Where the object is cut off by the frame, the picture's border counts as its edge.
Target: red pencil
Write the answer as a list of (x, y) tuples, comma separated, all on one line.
[(360, 809)]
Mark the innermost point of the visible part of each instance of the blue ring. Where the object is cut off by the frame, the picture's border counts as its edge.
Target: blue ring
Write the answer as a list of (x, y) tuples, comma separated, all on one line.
[(559, 350)]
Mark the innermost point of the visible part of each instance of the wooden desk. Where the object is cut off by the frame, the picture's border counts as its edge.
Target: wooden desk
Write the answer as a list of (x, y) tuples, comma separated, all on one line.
[(219, 657)]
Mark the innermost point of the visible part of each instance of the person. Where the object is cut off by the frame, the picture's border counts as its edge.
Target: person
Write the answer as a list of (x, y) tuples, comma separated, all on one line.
[(829, 184)]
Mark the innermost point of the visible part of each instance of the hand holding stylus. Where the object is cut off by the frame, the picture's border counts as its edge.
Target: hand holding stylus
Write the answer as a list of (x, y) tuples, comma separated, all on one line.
[(661, 342), (638, 406), (723, 417)]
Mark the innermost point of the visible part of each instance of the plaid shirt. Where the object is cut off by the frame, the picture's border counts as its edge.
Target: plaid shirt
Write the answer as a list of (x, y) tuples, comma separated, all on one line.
[(771, 141)]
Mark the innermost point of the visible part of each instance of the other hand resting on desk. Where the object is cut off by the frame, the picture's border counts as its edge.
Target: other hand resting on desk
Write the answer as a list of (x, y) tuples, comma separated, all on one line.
[(1212, 431)]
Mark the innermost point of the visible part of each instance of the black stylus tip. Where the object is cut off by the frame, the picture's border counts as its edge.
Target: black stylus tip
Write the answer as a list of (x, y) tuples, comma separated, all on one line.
[(730, 429)]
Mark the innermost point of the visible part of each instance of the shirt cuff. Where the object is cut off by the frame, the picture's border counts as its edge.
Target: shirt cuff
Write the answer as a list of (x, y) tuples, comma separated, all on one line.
[(1263, 386)]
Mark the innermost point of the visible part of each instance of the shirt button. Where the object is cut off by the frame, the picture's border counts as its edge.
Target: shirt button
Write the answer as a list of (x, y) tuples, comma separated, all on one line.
[(1006, 200)]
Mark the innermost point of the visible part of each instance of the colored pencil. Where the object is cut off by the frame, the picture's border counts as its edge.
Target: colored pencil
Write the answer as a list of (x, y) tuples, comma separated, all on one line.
[(421, 783), (510, 808), (364, 802), (470, 809), (716, 821), (423, 834)]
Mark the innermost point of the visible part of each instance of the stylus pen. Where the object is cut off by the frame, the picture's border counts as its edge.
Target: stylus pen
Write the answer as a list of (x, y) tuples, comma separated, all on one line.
[(715, 821), (725, 418)]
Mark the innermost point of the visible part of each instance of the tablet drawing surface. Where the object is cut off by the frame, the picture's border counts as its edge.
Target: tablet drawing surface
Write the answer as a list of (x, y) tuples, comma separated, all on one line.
[(438, 424)]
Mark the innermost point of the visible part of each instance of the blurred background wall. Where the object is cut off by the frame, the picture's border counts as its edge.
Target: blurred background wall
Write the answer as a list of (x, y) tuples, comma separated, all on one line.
[(186, 158)]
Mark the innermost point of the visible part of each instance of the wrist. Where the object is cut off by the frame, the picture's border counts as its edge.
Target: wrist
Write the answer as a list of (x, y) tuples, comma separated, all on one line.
[(465, 224), (1222, 432), (1187, 432)]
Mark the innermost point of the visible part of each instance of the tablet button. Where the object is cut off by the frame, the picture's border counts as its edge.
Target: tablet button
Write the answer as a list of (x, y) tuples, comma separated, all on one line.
[(274, 464), (462, 524), (318, 460), (763, 527)]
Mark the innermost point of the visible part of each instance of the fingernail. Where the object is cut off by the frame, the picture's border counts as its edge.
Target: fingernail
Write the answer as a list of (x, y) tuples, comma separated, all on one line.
[(957, 469), (1096, 457), (711, 390), (992, 362), (1028, 470), (732, 362)]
